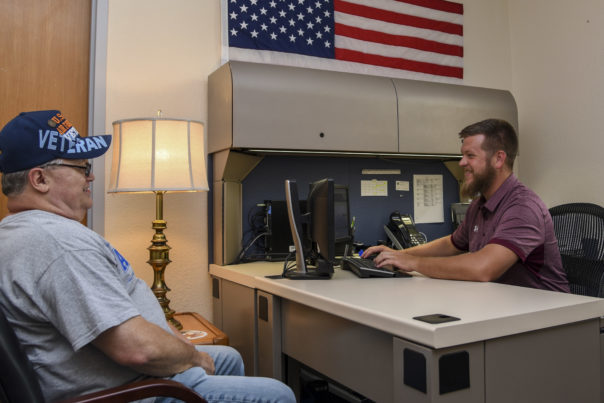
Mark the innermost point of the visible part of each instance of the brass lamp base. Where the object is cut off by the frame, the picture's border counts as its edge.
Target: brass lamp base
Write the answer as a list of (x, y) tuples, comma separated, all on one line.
[(159, 258)]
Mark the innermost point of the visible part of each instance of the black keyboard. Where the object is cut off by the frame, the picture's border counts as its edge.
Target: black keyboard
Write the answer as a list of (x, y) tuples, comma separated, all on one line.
[(364, 268)]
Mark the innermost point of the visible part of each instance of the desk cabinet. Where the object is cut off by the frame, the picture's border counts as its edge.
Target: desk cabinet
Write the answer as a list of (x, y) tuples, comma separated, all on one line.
[(234, 307), (268, 324), (252, 319)]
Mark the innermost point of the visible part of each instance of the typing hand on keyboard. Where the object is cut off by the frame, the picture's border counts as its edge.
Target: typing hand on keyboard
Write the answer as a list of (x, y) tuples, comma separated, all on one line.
[(364, 268)]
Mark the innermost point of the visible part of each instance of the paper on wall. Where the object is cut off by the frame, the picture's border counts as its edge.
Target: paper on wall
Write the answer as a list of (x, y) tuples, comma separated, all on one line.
[(428, 198), (374, 188)]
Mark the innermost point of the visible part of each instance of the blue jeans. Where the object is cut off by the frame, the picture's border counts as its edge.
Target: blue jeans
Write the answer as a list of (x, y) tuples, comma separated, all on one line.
[(228, 384)]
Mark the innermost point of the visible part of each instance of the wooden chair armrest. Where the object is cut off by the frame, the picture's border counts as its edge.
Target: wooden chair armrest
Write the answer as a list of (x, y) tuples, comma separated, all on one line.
[(140, 390)]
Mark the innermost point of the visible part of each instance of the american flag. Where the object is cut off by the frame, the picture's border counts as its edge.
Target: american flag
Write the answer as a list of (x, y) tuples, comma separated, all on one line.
[(421, 37)]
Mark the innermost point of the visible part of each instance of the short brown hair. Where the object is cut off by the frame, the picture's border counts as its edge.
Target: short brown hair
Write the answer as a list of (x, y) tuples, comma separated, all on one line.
[(499, 135)]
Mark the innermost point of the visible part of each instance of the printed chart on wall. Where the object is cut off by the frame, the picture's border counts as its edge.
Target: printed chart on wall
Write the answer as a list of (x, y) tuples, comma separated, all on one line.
[(428, 199)]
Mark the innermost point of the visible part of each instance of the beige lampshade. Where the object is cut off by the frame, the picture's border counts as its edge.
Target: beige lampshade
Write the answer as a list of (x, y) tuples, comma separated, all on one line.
[(156, 154)]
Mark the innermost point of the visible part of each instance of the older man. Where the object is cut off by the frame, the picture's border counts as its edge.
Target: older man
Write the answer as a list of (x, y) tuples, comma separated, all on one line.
[(85, 320)]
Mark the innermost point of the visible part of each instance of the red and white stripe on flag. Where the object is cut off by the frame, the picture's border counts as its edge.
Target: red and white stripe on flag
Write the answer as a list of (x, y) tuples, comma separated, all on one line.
[(421, 36), (417, 39)]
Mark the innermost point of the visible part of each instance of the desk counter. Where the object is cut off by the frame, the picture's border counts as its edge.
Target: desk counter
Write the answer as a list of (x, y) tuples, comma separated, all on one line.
[(486, 310)]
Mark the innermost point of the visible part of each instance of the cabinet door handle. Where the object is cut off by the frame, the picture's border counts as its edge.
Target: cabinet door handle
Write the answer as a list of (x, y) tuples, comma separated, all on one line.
[(263, 308), (215, 288)]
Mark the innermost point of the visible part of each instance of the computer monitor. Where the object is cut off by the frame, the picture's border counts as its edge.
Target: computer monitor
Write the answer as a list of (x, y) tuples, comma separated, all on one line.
[(343, 229), (313, 233), (321, 208)]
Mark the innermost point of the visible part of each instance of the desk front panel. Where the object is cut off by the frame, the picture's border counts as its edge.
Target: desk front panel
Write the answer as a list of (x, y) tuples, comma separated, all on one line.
[(354, 355), (555, 365)]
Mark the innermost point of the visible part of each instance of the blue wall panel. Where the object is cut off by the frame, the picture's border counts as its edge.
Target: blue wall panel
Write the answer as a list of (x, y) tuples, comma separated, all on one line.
[(266, 182)]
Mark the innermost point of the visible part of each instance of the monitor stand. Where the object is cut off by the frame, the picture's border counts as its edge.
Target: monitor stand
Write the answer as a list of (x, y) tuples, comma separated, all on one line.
[(309, 275), (323, 271)]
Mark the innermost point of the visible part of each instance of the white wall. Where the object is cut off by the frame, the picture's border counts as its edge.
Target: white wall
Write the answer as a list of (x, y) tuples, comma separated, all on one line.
[(487, 56), (558, 81), (549, 53), (159, 54)]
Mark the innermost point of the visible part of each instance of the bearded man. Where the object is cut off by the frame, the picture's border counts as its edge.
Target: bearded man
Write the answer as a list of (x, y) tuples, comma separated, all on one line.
[(507, 235)]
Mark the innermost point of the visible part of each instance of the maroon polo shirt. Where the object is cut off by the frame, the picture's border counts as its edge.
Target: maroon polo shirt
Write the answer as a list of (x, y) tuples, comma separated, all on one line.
[(515, 217)]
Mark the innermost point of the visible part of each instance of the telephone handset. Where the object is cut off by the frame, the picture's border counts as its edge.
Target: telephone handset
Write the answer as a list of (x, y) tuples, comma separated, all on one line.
[(402, 232)]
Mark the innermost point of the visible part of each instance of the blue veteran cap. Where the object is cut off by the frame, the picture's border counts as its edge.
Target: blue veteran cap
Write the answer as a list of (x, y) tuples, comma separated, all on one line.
[(34, 138)]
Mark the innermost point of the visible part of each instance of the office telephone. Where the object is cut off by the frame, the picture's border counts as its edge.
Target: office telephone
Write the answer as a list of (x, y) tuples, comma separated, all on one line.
[(402, 232)]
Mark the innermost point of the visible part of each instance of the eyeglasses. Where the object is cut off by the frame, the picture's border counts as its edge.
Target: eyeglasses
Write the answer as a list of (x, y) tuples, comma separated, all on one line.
[(87, 168)]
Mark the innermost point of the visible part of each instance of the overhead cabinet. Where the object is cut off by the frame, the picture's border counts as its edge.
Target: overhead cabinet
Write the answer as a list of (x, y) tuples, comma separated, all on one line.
[(261, 106), (431, 115), (276, 107)]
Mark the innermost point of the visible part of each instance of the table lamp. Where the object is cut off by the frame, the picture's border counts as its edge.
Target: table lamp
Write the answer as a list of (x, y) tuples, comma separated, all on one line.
[(158, 155)]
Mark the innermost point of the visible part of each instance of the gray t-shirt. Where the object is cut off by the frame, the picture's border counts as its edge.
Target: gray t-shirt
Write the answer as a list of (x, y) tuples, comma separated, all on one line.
[(61, 286)]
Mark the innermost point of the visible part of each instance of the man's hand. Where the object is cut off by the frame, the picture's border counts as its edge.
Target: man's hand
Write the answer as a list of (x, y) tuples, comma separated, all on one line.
[(389, 258), (203, 359), (374, 250), (206, 362)]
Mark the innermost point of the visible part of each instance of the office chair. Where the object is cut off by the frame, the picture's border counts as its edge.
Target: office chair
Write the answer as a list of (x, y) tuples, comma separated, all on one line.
[(579, 228), (19, 382)]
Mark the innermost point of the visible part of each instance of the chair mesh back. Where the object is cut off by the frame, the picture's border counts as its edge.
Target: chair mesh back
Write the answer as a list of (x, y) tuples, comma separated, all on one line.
[(18, 380), (579, 228)]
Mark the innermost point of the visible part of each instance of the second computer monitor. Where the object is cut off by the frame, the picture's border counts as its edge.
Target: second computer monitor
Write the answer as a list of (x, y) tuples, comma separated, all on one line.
[(342, 221), (322, 218), (319, 232)]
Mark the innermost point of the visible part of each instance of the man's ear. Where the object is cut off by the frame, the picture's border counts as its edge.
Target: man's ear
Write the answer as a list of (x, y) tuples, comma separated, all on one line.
[(499, 159), (38, 180)]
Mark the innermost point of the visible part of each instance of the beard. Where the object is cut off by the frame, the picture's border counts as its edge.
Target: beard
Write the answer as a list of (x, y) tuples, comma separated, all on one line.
[(481, 183)]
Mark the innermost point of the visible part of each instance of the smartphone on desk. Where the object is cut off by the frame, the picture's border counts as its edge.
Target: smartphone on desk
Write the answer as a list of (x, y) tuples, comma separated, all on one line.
[(402, 232)]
